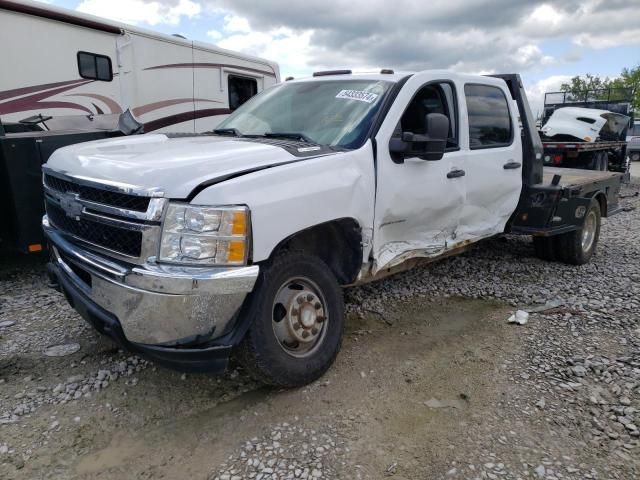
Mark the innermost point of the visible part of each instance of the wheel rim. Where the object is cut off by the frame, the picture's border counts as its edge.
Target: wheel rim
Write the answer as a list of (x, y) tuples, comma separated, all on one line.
[(589, 231), (299, 317)]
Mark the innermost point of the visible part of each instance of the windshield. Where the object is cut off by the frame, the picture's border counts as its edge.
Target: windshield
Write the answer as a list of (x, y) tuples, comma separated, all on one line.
[(330, 112)]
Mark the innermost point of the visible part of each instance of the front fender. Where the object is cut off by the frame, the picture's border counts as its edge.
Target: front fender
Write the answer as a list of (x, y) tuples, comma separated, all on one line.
[(290, 198)]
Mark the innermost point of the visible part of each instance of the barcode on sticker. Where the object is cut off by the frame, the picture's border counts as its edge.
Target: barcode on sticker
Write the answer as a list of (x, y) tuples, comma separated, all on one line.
[(358, 95)]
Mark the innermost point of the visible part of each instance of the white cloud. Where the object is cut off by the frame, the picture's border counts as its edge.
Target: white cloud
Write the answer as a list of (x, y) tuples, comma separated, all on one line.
[(607, 39), (544, 17), (140, 11), (535, 92), (466, 35), (214, 34), (290, 49), (234, 23)]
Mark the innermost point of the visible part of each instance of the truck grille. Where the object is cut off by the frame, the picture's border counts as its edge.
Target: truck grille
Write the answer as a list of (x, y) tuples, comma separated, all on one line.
[(127, 242), (97, 195)]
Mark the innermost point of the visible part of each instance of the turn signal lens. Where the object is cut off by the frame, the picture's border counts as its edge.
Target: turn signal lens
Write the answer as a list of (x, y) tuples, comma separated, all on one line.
[(239, 223), (236, 252)]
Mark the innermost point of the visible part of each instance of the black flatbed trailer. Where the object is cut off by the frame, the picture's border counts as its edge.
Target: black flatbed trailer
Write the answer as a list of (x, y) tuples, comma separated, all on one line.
[(22, 155), (599, 155)]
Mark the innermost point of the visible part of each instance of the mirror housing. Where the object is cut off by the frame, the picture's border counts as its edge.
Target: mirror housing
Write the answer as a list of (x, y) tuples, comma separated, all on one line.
[(430, 146)]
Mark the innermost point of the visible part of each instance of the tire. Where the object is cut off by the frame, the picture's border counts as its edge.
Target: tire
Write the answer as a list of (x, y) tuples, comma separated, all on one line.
[(296, 324), (545, 248), (599, 161), (579, 246)]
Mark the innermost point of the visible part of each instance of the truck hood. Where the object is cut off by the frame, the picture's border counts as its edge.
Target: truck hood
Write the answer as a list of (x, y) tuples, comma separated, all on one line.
[(174, 166)]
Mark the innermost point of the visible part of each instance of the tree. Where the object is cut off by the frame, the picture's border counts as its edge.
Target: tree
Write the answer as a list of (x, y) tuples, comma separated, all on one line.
[(629, 78)]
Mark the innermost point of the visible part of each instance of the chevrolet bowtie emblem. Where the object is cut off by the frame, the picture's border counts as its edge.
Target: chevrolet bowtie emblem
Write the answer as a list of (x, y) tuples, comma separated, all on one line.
[(71, 206)]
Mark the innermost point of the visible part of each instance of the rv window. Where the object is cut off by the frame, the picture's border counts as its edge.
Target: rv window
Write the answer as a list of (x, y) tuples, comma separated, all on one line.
[(241, 89), (95, 67)]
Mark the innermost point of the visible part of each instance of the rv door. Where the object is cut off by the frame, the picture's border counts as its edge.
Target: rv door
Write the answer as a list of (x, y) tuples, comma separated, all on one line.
[(126, 70)]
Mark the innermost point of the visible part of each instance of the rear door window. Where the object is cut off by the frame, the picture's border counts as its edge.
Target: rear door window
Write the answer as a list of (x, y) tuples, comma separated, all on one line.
[(489, 118)]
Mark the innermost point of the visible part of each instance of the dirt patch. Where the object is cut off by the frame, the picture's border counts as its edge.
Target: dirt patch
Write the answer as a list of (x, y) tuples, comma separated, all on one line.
[(376, 398)]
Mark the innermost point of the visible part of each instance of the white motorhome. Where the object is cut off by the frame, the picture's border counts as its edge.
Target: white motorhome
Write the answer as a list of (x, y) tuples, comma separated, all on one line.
[(64, 63)]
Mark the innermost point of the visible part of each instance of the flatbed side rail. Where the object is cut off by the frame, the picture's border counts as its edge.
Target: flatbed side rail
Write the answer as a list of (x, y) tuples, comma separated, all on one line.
[(554, 208), (582, 146)]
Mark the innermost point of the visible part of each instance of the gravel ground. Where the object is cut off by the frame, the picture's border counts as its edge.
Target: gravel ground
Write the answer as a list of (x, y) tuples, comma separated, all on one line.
[(432, 382)]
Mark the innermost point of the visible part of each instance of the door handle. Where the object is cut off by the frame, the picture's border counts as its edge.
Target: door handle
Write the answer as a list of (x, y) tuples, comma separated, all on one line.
[(456, 173), (511, 165)]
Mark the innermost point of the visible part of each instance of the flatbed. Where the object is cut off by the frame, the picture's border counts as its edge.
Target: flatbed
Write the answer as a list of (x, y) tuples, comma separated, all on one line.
[(574, 177)]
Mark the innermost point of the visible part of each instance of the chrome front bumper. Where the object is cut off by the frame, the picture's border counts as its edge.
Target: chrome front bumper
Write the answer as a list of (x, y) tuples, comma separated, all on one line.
[(156, 304)]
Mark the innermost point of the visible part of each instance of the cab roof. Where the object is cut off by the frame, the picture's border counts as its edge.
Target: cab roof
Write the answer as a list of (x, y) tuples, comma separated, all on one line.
[(397, 76)]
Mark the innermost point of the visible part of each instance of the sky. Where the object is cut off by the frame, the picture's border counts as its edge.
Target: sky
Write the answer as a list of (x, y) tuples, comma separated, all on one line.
[(547, 42)]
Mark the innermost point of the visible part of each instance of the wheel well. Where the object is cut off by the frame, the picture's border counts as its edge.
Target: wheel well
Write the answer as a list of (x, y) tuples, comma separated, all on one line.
[(602, 200), (337, 243)]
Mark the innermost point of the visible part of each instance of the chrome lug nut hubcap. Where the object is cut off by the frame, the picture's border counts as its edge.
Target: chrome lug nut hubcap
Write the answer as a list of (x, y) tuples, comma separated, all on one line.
[(299, 317), (304, 320)]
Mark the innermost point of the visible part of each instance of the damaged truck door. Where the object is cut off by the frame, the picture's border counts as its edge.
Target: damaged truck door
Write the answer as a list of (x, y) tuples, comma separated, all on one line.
[(419, 201)]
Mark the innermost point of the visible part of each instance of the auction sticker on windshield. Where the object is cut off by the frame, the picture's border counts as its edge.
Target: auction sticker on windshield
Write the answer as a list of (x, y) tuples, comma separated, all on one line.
[(358, 95)]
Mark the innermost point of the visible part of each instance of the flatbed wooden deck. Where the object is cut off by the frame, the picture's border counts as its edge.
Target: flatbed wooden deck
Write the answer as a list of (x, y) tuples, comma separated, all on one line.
[(573, 177)]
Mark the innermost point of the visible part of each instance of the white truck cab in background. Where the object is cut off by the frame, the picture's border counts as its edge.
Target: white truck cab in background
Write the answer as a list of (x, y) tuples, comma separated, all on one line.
[(186, 249)]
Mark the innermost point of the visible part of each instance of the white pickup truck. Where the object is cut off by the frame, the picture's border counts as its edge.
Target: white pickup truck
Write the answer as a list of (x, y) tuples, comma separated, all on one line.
[(186, 249)]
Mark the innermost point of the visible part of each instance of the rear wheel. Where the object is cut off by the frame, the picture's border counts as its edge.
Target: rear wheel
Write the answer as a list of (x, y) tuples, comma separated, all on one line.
[(605, 162), (297, 321), (599, 161), (578, 247)]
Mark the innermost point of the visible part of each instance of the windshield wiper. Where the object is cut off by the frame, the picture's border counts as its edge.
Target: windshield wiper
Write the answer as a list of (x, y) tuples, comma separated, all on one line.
[(228, 131), (292, 135)]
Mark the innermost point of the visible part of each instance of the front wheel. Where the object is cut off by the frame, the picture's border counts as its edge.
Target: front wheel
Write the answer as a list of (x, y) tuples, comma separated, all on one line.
[(297, 321)]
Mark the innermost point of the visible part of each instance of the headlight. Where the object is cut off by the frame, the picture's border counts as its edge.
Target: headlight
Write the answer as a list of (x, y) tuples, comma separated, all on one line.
[(205, 235)]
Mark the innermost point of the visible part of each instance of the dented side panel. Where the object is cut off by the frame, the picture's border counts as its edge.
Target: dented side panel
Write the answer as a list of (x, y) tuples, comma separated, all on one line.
[(291, 198), (420, 212)]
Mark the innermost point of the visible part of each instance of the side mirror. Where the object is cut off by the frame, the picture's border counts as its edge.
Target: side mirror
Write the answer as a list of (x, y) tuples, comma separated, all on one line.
[(128, 125), (430, 146)]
